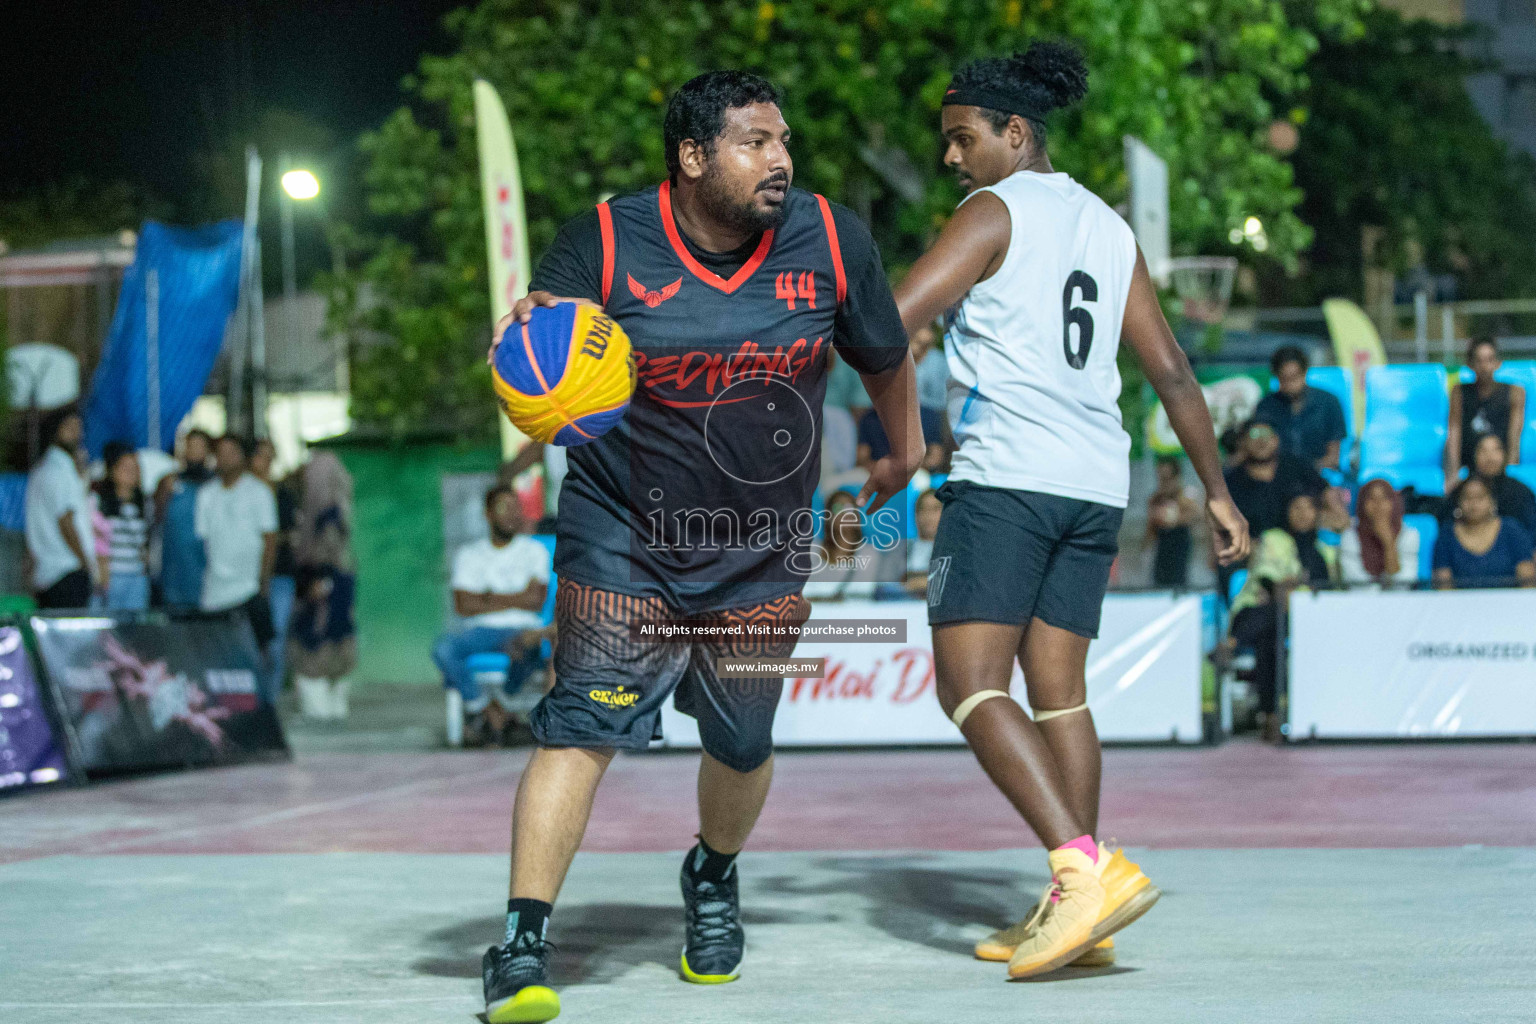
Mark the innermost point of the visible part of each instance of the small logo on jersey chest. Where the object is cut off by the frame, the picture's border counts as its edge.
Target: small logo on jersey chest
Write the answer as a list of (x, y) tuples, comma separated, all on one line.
[(650, 298), (790, 286)]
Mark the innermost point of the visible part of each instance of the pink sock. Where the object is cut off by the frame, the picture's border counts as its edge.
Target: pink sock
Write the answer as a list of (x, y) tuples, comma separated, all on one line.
[(1083, 844)]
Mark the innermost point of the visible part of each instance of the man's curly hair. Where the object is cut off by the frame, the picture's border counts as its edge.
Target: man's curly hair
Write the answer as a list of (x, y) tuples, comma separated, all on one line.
[(1045, 77)]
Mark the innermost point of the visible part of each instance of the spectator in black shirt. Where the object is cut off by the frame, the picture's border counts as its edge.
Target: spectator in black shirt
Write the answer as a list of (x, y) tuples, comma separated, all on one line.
[(1514, 499), (1485, 406), (1264, 479)]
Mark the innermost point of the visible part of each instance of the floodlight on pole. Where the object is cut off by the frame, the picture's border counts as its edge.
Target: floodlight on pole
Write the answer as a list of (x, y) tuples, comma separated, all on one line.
[(301, 184)]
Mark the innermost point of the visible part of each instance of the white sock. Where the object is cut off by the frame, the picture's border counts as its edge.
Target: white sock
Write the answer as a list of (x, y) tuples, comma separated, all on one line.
[(314, 696), (340, 706)]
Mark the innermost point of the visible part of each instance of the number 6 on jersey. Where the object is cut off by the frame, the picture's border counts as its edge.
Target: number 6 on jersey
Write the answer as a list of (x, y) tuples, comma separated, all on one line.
[(1070, 314)]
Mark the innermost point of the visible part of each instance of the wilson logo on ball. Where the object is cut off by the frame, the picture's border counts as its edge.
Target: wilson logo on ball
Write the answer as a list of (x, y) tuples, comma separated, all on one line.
[(566, 376)]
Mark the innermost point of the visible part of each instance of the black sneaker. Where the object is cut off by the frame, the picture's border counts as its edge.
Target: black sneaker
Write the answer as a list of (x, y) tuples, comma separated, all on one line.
[(715, 940), (515, 989)]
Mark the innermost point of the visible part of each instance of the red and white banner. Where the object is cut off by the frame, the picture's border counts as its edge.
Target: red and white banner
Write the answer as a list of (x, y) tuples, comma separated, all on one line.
[(1143, 680)]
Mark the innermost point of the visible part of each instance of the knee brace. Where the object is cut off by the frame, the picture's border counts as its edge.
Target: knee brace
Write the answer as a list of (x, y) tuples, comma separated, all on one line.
[(1046, 716), (970, 703)]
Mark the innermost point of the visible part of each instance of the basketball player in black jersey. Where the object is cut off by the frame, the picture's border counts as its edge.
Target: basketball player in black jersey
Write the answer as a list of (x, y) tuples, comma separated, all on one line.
[(732, 286)]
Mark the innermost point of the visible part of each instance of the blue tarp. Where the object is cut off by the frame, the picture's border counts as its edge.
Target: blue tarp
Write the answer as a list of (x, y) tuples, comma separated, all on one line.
[(199, 284), (13, 500)]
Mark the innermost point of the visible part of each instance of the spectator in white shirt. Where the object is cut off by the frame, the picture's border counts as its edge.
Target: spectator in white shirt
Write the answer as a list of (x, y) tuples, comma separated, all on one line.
[(119, 501), (236, 518), (59, 520), (499, 585), (932, 368), (920, 549)]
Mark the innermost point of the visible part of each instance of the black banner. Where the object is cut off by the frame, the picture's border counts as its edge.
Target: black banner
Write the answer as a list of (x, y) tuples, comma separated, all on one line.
[(31, 753), (157, 693)]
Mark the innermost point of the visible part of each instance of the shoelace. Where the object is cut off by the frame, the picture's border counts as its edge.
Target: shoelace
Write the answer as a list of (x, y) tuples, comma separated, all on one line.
[(527, 956), (1047, 901), (714, 919)]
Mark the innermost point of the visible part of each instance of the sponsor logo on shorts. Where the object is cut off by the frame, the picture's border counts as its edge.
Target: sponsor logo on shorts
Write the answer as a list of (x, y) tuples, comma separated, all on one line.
[(613, 698), (938, 573)]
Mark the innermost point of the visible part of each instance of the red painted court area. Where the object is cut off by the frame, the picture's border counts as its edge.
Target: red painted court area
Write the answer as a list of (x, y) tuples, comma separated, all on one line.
[(1242, 794)]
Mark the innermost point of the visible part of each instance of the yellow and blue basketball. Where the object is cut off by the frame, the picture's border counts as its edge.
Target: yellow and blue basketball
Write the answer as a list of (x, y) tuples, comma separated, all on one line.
[(566, 376)]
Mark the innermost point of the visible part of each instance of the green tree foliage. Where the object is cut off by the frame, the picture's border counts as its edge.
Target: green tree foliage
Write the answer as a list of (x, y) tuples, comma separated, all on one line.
[(1391, 139), (586, 81), (74, 209)]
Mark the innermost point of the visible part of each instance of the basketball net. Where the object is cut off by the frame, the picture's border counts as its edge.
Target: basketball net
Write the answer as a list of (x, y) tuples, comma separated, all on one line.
[(1203, 285)]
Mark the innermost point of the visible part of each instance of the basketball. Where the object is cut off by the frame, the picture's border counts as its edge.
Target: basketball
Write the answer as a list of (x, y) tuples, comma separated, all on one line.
[(566, 376)]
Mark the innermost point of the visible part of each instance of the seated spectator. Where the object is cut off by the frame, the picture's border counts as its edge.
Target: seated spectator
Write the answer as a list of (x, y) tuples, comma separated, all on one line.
[(849, 568), (1264, 477), (60, 540), (125, 515), (839, 450), (1286, 559), (932, 368), (920, 550), (845, 389), (283, 585), (874, 445), (322, 640), (182, 558), (1485, 406), (499, 585), (1514, 499), (236, 519), (1172, 512), (1378, 548), (1309, 421), (1482, 549)]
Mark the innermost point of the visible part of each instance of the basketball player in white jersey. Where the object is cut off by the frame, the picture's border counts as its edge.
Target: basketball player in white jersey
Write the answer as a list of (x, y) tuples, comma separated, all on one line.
[(1043, 280)]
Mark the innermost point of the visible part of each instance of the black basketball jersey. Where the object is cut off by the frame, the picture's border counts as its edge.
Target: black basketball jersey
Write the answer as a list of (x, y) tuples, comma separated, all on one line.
[(702, 493)]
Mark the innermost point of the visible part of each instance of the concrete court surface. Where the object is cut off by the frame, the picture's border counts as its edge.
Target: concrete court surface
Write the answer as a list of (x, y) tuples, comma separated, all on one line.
[(363, 887)]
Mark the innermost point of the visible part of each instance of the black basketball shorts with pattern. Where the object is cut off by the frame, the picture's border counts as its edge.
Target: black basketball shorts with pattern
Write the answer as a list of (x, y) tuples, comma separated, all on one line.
[(610, 686)]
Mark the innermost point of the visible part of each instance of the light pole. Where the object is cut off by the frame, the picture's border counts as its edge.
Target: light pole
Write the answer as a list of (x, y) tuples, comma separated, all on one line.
[(302, 186)]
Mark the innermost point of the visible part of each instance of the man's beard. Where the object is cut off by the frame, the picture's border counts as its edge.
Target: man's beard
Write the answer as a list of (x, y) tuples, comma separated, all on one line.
[(743, 215), (501, 536)]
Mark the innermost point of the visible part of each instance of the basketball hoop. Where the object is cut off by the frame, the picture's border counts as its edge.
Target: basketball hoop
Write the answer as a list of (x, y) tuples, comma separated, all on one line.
[(1203, 285)]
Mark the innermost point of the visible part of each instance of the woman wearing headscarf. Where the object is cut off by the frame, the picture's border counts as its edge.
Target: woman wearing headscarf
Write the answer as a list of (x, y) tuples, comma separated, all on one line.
[(322, 639), (1286, 560), (1378, 547)]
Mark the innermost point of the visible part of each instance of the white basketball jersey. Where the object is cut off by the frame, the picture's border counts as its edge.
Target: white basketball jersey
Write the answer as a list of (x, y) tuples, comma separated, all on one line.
[(1033, 389)]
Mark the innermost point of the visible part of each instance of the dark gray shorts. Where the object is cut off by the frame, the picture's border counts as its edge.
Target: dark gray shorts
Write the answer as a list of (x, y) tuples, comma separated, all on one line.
[(1011, 556), (609, 688)]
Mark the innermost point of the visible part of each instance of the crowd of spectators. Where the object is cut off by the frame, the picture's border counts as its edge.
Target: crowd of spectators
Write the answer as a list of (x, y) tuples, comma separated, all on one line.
[(1279, 472), (212, 534)]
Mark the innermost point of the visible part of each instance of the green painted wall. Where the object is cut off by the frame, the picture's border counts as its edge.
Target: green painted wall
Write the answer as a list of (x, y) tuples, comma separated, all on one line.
[(398, 543)]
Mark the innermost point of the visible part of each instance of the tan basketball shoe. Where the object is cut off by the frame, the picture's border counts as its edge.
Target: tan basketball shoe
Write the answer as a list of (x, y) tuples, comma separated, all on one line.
[(1062, 927), (1128, 894)]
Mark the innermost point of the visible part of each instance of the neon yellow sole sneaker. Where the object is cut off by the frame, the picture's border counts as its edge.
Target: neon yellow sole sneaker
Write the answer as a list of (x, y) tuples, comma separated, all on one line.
[(532, 1005), (690, 975), (516, 989)]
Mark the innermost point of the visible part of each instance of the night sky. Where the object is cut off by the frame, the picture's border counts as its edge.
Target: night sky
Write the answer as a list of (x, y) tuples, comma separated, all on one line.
[(131, 90)]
